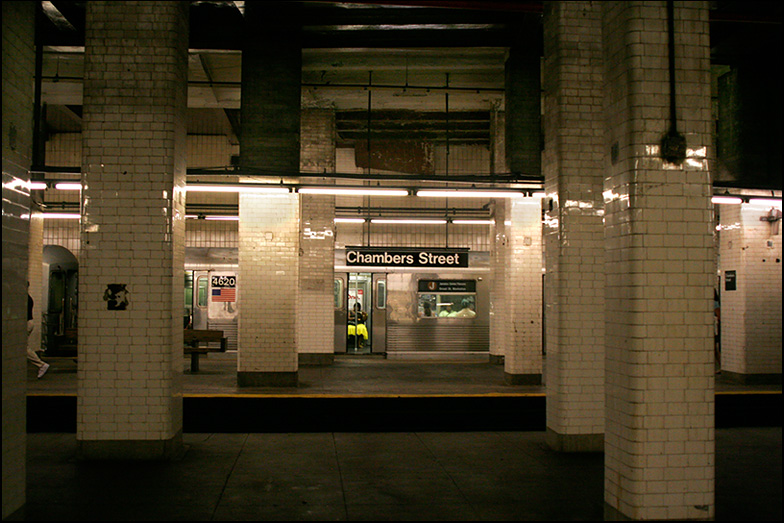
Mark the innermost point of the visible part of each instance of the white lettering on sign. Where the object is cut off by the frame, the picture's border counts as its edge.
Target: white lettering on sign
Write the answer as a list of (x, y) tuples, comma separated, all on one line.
[(428, 258), (423, 258)]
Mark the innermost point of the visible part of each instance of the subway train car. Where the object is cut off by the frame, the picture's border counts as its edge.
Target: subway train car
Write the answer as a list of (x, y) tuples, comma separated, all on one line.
[(211, 291), (420, 303)]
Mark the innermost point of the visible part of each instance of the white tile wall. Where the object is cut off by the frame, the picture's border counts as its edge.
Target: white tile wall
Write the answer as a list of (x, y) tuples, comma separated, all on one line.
[(523, 354), (35, 251), (18, 23), (130, 361), (500, 314), (659, 435), (574, 227), (316, 318), (269, 272), (750, 315)]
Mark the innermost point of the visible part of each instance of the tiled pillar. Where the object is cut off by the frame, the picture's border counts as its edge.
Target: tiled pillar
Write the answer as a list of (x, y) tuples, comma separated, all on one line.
[(133, 205), (523, 356), (315, 327), (750, 268), (18, 40), (269, 236), (35, 253), (499, 311), (659, 375), (574, 226), (523, 339), (500, 316)]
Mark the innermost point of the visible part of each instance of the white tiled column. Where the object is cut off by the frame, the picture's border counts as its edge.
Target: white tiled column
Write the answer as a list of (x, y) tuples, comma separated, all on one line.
[(269, 230), (35, 253), (269, 289), (500, 315), (18, 48), (659, 426), (133, 201), (523, 357), (315, 326), (574, 226), (750, 251)]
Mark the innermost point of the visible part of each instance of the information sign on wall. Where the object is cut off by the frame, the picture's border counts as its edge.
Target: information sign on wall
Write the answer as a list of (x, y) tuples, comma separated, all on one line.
[(730, 280), (442, 286)]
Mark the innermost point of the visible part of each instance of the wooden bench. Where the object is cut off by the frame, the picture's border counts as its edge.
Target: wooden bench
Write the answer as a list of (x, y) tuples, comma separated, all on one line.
[(193, 338)]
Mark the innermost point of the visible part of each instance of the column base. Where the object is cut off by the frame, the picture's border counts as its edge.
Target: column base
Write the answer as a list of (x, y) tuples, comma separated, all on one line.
[(751, 379), (613, 514), (131, 450), (574, 442), (522, 379), (316, 359), (497, 359), (267, 379)]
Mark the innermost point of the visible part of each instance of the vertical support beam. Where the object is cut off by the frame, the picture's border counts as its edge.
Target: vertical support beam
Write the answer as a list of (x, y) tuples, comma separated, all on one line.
[(523, 358), (499, 311), (659, 426), (18, 49), (35, 253), (269, 236), (316, 327), (500, 315), (750, 267), (523, 110), (133, 231), (574, 226)]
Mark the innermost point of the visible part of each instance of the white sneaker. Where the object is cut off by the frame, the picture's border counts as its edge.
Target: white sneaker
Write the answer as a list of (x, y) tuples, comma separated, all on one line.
[(43, 370)]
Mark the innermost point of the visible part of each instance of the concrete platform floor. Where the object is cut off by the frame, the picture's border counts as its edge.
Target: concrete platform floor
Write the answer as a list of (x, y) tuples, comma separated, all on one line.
[(348, 376), (366, 475), (409, 476)]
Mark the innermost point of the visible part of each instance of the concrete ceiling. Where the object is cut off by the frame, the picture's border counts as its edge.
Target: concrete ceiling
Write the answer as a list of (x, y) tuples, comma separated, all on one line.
[(425, 70)]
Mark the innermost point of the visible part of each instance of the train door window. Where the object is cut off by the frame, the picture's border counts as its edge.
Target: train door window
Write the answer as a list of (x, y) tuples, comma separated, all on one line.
[(188, 298), (202, 288), (337, 290), (381, 294)]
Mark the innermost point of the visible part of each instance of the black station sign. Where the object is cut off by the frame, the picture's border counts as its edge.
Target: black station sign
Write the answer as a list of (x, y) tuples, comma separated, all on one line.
[(396, 257), (730, 280), (442, 286)]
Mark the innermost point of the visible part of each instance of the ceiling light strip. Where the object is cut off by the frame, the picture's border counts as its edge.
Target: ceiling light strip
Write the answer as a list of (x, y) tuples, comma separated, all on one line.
[(457, 193), (351, 191), (407, 221)]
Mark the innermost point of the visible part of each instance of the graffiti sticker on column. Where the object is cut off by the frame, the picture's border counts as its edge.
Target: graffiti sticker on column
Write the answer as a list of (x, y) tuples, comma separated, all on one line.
[(224, 288), (116, 296)]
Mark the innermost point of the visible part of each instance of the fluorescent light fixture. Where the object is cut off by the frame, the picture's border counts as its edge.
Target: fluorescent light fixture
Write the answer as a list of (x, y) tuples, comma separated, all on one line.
[(351, 191), (765, 202), (243, 187), (38, 186), (60, 216), (538, 194), (223, 218), (726, 200), (68, 186), (454, 193), (473, 222), (412, 221), (349, 220)]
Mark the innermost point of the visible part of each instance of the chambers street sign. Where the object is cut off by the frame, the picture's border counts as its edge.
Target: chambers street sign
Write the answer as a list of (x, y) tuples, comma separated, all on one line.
[(397, 257)]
